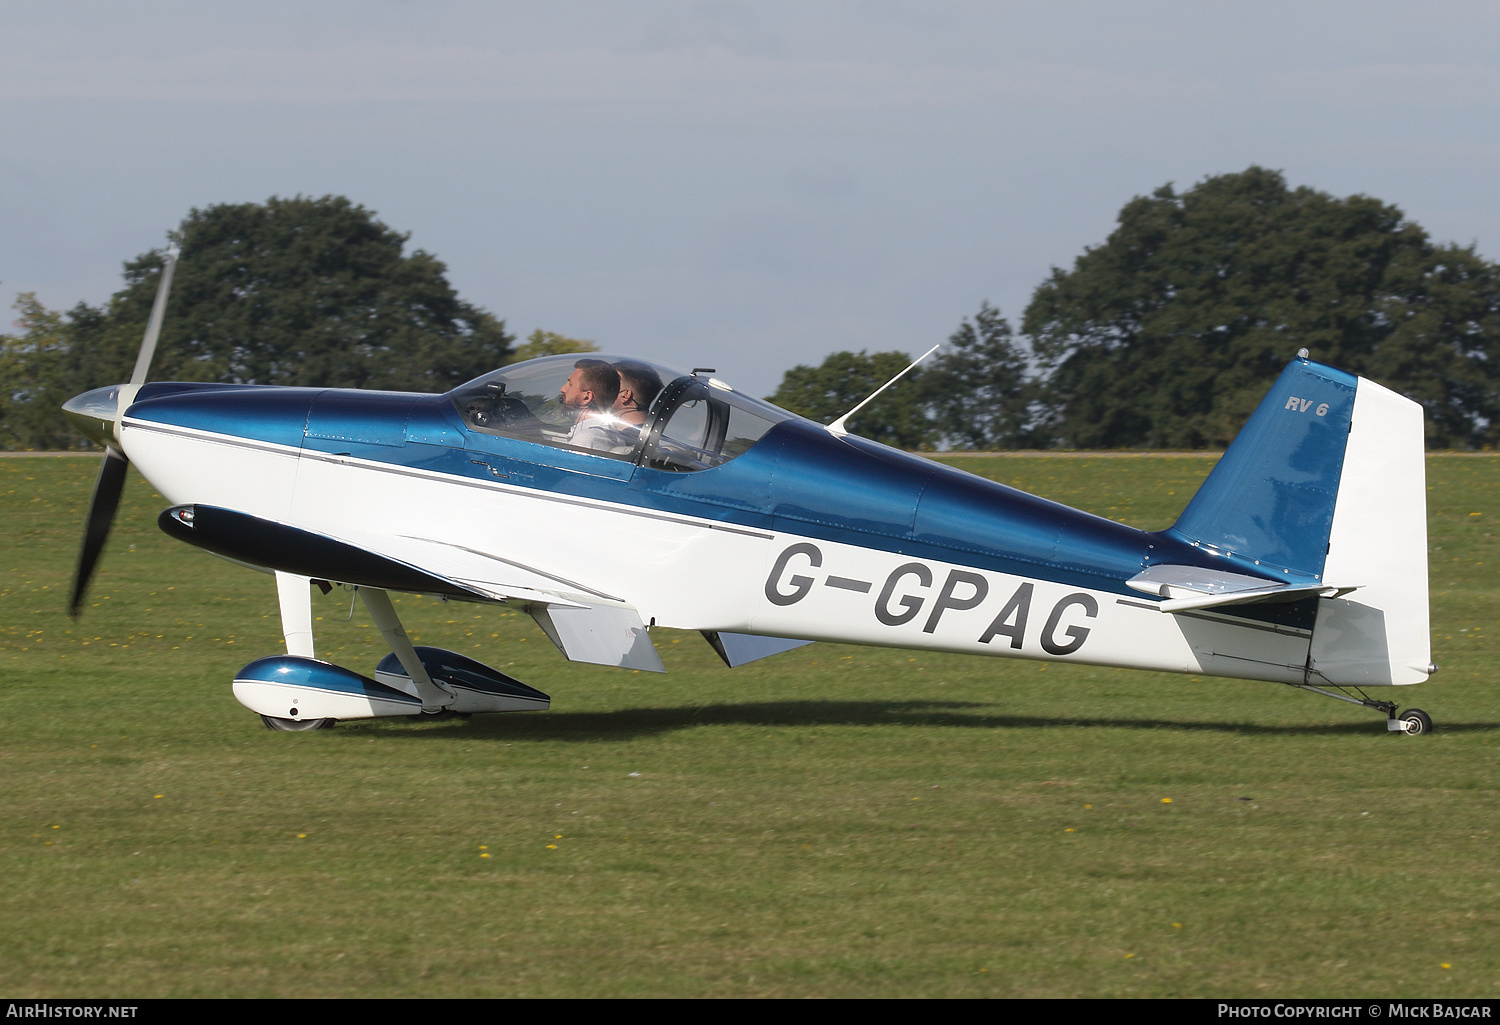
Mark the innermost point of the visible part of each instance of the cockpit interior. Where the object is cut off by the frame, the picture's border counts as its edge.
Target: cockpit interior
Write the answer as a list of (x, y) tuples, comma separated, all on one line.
[(637, 410)]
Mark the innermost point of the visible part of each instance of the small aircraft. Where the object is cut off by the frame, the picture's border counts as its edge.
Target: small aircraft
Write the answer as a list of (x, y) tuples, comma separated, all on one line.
[(1302, 559)]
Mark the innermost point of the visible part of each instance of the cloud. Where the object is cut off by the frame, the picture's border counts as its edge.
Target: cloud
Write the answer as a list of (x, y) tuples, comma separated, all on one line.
[(694, 77), (1424, 85)]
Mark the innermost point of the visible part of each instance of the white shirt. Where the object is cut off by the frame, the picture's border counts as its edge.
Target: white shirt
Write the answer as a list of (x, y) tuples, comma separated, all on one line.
[(603, 433)]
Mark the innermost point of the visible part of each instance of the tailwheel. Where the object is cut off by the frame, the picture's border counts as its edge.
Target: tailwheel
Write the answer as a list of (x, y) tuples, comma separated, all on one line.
[(296, 725), (1416, 722)]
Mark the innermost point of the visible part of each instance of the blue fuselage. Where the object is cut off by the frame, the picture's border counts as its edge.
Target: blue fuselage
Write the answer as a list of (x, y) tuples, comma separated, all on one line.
[(798, 479)]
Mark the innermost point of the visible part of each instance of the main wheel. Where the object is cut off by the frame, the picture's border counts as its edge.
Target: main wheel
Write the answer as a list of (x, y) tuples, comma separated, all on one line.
[(443, 716), (1417, 721), (295, 725)]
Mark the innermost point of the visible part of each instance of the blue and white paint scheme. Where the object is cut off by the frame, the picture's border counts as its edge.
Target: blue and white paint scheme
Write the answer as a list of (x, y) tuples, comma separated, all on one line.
[(1301, 560)]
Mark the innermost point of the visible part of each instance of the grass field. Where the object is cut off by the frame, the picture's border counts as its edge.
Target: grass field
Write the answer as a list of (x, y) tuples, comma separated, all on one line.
[(835, 821)]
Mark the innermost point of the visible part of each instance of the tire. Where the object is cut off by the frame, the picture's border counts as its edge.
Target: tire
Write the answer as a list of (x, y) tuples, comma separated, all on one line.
[(295, 725), (1417, 722), (444, 716)]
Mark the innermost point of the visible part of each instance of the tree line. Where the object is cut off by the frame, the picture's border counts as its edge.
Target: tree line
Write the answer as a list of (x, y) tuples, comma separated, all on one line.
[(1169, 333), (1165, 335), (300, 291)]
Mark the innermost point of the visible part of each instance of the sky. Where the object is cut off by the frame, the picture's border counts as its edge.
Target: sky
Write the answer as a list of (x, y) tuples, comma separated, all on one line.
[(747, 186)]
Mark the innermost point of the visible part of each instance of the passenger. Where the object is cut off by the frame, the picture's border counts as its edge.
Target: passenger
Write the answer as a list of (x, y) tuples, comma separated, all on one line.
[(590, 391), (639, 386)]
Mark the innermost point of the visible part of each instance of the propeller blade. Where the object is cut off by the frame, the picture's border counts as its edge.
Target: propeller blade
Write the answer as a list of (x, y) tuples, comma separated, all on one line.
[(107, 491), (91, 413), (153, 326)]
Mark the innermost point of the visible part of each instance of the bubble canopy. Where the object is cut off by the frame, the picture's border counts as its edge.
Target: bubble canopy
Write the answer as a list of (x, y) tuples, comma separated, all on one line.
[(618, 407)]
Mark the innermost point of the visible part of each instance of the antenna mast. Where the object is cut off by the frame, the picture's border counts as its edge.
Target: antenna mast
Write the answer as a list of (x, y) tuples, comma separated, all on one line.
[(837, 427)]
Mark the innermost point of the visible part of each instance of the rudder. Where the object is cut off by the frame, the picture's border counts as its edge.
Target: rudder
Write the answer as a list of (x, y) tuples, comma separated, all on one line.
[(1379, 633)]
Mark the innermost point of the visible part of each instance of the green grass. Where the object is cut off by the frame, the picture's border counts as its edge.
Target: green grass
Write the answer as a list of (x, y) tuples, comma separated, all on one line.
[(835, 821)]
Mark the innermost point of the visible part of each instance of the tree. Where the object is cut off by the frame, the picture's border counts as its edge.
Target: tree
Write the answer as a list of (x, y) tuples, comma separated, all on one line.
[(37, 375), (844, 379), (550, 343), (296, 292), (1169, 333), (978, 390)]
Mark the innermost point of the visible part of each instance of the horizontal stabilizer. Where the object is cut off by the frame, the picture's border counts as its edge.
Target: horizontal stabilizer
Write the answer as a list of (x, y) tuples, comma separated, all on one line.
[(737, 649), (601, 634), (1269, 596), (1190, 581), (1197, 587)]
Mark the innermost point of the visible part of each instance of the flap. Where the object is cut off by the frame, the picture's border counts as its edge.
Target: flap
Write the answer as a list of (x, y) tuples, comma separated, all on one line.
[(602, 634)]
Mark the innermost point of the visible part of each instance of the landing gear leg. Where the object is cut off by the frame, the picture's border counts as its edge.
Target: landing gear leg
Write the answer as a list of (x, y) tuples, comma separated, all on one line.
[(435, 697), (1413, 722), (295, 596)]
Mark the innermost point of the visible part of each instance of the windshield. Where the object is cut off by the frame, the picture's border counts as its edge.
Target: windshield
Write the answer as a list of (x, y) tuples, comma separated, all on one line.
[(618, 407)]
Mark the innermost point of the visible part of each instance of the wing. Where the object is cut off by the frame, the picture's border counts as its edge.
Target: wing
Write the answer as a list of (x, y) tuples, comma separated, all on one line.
[(587, 625)]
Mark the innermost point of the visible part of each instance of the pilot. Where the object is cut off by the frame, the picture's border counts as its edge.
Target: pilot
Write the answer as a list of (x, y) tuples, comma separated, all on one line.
[(639, 386), (590, 391)]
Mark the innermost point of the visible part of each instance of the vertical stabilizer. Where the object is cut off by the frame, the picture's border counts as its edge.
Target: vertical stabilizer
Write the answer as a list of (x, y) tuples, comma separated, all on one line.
[(1270, 500)]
